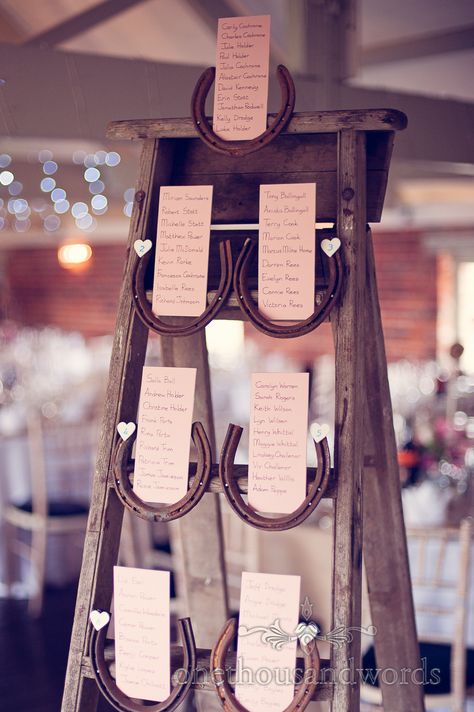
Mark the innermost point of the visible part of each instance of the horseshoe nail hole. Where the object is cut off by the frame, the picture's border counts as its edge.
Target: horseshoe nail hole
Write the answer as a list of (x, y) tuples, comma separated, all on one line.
[(309, 504), (198, 123), (226, 485), (319, 489)]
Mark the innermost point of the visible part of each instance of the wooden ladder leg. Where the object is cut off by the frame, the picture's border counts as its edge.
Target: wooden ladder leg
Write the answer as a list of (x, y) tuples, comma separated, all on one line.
[(39, 543), (385, 546), (199, 534), (349, 425), (105, 517)]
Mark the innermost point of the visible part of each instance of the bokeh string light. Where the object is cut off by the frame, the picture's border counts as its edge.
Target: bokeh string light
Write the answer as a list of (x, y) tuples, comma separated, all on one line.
[(18, 214)]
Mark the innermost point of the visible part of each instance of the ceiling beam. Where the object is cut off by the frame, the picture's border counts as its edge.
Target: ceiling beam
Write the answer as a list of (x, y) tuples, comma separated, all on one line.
[(80, 93), (430, 45), (81, 22), (211, 10)]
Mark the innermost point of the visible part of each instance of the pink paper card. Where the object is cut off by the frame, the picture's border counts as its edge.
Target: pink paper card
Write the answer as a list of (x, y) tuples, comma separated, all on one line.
[(165, 416), (265, 675), (277, 441), (286, 250), (182, 250), (142, 632), (241, 84)]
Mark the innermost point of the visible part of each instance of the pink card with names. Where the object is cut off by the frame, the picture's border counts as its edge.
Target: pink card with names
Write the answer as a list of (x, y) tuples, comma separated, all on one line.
[(277, 441), (182, 250), (241, 84), (286, 250), (268, 682), (165, 416), (142, 632)]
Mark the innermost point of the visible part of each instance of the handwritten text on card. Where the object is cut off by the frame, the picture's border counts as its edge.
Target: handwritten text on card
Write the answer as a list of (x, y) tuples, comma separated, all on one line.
[(142, 632), (265, 598), (164, 430), (277, 445), (286, 250), (241, 85), (182, 250)]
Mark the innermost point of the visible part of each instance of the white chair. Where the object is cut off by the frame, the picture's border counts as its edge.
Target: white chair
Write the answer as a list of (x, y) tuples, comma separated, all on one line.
[(72, 447), (432, 551)]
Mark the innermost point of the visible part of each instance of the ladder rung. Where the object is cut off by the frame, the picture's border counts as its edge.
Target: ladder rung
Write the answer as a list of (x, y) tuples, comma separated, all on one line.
[(231, 309), (241, 474), (323, 691)]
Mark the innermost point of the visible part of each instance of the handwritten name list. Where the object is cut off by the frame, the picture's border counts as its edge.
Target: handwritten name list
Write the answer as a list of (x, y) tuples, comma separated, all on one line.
[(286, 250), (264, 599), (142, 632), (241, 85), (182, 250), (277, 446), (164, 430)]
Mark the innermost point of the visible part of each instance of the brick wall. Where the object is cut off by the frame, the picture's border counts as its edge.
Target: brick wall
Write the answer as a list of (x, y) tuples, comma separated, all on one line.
[(36, 290), (406, 276)]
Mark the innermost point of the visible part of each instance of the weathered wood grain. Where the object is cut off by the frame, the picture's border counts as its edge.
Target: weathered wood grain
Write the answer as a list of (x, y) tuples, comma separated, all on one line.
[(105, 518), (302, 122), (385, 546), (349, 423)]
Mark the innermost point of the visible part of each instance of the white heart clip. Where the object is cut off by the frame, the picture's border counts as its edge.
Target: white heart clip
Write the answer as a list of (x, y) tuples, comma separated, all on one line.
[(306, 632), (126, 429), (319, 432), (330, 247), (141, 247), (99, 619)]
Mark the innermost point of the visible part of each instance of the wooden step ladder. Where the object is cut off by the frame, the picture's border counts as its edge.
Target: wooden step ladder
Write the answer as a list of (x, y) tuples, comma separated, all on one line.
[(347, 153)]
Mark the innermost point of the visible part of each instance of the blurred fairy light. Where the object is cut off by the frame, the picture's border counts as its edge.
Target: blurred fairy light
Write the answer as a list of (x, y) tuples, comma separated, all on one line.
[(47, 185), (112, 159), (61, 206), (78, 157), (50, 167), (52, 223), (128, 197), (91, 174), (22, 225), (6, 177), (80, 211), (45, 155), (15, 188), (99, 202), (58, 194), (90, 160), (97, 186), (85, 222)]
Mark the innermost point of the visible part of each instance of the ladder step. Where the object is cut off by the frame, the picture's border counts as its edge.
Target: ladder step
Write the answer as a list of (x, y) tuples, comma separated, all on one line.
[(241, 473), (324, 690), (231, 310)]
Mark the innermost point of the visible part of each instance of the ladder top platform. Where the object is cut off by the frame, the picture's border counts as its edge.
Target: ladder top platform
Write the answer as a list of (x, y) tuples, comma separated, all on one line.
[(300, 123)]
